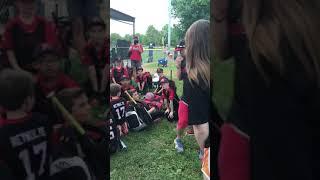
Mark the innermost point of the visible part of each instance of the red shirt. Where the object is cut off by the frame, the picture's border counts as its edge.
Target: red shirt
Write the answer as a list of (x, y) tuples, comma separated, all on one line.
[(141, 79), (118, 73), (61, 82), (168, 94), (135, 52), (91, 57), (50, 31)]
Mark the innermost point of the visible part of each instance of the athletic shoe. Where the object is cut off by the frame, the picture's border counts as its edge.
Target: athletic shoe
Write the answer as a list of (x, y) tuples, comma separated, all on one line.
[(190, 132), (123, 146), (200, 155), (178, 145)]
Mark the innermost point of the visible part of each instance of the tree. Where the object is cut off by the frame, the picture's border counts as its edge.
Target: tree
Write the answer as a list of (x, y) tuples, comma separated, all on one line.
[(188, 12), (175, 39), (113, 38), (152, 35)]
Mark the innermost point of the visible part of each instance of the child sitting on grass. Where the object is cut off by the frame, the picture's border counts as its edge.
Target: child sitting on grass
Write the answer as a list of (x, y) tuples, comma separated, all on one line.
[(141, 81), (153, 100), (126, 86), (158, 90), (92, 147), (118, 108), (95, 57), (49, 78), (155, 113), (24, 33), (24, 136), (170, 99), (118, 72)]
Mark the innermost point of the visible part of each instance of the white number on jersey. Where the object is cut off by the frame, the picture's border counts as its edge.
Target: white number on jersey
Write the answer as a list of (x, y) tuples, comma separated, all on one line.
[(25, 158), (120, 112)]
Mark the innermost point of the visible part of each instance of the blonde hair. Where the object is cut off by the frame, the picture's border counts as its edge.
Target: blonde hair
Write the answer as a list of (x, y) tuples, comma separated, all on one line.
[(197, 52), (271, 23)]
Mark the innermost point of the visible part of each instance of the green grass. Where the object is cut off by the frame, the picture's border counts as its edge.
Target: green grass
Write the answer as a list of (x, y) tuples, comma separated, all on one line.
[(222, 74), (151, 153)]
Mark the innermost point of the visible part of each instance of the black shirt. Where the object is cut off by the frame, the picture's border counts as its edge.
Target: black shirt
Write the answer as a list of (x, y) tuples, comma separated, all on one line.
[(118, 110), (198, 99), (279, 116), (25, 146)]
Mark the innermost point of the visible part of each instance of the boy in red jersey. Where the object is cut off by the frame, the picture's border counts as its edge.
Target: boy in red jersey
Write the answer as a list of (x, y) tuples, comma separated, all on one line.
[(24, 33), (49, 78), (118, 72), (24, 136), (141, 81), (95, 57), (92, 147)]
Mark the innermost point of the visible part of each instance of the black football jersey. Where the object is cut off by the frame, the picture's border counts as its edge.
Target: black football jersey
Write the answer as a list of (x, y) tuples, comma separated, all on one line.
[(118, 110), (114, 135), (24, 146)]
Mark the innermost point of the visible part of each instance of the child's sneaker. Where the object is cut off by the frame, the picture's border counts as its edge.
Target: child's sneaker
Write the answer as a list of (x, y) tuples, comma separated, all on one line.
[(200, 155), (123, 146), (178, 145)]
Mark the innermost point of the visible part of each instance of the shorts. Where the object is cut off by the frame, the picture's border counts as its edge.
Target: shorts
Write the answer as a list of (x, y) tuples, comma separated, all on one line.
[(183, 115), (135, 63), (83, 8), (206, 163)]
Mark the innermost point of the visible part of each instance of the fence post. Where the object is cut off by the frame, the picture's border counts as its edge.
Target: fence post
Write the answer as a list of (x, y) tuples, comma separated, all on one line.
[(171, 74)]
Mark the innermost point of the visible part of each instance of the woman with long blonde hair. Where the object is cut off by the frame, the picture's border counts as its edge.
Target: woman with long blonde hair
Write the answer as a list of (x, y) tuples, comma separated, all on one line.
[(196, 87)]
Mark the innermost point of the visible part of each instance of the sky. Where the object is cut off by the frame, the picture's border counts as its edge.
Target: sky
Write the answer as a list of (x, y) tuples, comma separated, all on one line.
[(146, 12)]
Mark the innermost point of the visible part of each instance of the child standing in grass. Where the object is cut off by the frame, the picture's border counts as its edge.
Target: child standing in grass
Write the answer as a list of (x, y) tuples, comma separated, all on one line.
[(118, 108)]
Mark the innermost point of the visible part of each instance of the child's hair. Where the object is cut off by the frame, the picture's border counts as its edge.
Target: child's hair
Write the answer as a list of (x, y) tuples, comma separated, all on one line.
[(159, 70), (15, 87), (114, 89), (67, 97), (197, 50), (139, 69), (149, 95)]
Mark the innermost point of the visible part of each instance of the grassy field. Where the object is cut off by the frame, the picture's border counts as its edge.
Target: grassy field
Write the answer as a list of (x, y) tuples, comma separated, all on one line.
[(151, 153)]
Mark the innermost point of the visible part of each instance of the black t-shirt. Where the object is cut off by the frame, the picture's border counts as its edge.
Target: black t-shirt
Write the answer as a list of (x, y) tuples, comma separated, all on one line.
[(280, 117), (118, 110), (25, 146), (198, 99)]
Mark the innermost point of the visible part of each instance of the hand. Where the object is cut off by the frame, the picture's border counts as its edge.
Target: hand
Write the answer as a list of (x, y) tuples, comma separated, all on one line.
[(171, 114), (167, 111)]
